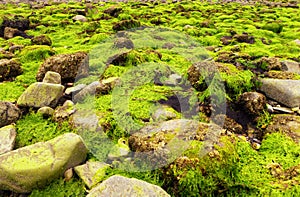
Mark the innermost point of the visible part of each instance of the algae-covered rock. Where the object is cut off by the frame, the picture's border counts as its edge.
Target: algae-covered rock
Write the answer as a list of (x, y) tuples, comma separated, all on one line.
[(121, 186), (40, 95), (157, 144), (41, 40), (92, 172), (46, 111), (52, 77), (34, 166), (9, 69), (9, 113), (69, 66), (7, 138), (286, 92), (64, 112), (126, 24)]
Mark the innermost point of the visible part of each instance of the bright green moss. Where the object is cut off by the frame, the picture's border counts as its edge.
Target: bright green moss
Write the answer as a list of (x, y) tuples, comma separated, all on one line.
[(33, 128), (36, 53), (62, 188)]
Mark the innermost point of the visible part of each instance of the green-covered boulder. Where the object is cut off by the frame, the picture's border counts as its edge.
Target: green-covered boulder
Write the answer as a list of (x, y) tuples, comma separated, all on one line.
[(118, 185), (34, 166), (40, 95)]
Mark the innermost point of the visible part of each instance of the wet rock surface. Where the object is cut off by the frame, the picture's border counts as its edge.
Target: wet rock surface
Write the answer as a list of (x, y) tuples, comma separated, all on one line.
[(34, 166)]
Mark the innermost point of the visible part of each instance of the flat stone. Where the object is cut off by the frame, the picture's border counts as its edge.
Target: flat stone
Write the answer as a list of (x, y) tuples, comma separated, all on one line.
[(121, 186), (75, 89), (40, 95), (80, 18), (35, 166), (92, 172), (88, 90), (52, 77), (283, 110), (7, 138), (286, 92), (290, 66), (9, 113)]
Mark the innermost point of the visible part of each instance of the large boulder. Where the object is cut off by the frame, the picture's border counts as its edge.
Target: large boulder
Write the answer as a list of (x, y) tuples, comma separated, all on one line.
[(40, 95), (121, 186), (9, 113), (34, 166), (9, 69), (7, 138), (286, 92), (69, 66)]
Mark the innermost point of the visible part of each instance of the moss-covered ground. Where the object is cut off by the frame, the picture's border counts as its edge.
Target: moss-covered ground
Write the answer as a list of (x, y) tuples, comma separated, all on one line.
[(237, 169)]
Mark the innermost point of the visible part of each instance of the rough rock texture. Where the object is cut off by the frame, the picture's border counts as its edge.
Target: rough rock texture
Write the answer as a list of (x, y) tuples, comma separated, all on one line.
[(271, 63), (7, 138), (163, 114), (9, 113), (34, 166), (113, 11), (252, 102), (41, 40), (12, 32), (69, 66), (201, 73), (52, 77), (107, 85), (40, 95), (286, 92), (288, 124), (92, 172), (156, 144), (121, 186), (9, 69), (64, 112)]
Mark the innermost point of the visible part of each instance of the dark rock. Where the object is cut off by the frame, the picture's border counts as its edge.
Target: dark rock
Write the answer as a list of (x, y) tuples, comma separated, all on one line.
[(9, 69), (69, 66), (9, 113), (226, 40), (252, 102), (271, 63), (21, 24), (11, 32), (113, 11), (41, 40), (244, 38), (126, 24)]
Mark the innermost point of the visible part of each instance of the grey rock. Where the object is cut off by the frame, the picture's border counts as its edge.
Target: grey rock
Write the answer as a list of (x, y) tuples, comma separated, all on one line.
[(88, 90), (92, 172), (7, 138), (9, 113), (80, 18), (123, 43), (75, 89), (290, 66), (52, 77), (283, 110), (34, 166), (173, 80), (286, 92), (121, 186), (40, 95)]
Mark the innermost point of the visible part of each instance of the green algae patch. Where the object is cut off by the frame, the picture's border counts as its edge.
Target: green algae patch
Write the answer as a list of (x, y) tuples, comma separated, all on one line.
[(62, 188), (36, 53), (33, 128)]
